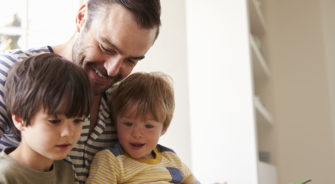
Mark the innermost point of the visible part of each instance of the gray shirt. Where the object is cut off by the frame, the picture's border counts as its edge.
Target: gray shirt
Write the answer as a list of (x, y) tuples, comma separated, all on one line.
[(12, 172)]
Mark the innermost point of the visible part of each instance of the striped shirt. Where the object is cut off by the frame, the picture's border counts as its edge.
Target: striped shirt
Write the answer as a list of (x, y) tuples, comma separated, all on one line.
[(103, 135), (115, 166)]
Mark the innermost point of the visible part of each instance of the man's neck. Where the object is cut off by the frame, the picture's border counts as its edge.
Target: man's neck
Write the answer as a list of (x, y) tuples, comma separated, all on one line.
[(64, 49)]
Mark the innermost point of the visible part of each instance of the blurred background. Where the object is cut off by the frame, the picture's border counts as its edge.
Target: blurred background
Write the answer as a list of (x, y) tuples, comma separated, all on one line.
[(254, 81)]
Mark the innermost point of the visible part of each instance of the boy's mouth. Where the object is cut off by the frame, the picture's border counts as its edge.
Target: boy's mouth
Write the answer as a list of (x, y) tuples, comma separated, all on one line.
[(63, 146), (137, 145)]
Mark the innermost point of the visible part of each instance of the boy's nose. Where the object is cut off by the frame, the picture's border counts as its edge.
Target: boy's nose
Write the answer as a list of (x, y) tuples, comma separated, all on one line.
[(136, 132), (67, 130)]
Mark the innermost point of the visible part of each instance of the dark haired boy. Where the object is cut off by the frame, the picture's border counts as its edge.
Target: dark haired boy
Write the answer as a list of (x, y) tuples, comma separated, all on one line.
[(47, 97)]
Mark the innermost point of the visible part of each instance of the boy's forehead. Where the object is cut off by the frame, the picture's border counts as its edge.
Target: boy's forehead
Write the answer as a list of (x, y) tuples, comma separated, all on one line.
[(135, 114), (138, 110)]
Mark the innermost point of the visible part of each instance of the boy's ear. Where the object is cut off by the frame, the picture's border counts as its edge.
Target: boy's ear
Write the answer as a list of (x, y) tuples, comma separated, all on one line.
[(18, 122), (163, 132)]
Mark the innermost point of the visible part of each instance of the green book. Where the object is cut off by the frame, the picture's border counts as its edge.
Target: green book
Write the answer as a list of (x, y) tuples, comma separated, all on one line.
[(302, 182)]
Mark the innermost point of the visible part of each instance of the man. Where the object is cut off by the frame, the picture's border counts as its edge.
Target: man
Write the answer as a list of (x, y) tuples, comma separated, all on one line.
[(111, 37)]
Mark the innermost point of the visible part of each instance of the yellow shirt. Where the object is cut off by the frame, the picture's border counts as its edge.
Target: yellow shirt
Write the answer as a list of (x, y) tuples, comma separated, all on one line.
[(115, 166)]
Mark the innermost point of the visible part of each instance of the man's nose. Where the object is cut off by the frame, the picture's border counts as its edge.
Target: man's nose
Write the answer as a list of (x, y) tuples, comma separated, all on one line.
[(113, 65)]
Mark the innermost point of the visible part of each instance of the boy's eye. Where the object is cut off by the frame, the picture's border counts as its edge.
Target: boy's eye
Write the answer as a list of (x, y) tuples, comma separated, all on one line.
[(54, 121), (78, 120), (149, 126), (128, 124)]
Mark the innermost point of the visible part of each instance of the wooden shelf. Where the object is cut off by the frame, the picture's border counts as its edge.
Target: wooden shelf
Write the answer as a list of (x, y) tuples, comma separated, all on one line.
[(262, 114), (266, 173), (257, 23), (260, 68)]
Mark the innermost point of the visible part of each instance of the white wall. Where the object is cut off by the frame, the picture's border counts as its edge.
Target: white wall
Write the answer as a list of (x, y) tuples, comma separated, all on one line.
[(222, 119)]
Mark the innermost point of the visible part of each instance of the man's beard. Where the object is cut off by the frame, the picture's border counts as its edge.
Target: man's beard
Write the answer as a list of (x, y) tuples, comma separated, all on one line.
[(78, 56)]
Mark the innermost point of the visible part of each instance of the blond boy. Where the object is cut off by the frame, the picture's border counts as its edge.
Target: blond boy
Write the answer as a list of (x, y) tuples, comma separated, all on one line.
[(143, 106)]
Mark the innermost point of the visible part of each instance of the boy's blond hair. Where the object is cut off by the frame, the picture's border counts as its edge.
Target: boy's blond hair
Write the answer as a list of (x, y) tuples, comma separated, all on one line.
[(150, 92)]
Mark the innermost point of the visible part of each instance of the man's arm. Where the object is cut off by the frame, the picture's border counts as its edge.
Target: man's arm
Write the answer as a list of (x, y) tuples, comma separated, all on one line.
[(6, 137)]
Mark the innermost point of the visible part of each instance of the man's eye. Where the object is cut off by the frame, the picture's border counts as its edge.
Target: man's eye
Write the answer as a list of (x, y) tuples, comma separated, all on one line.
[(128, 124), (102, 48), (149, 126), (132, 61), (108, 51), (54, 121)]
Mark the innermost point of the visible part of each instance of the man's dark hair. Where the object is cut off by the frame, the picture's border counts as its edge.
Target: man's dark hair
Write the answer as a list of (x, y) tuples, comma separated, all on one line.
[(46, 81), (146, 12)]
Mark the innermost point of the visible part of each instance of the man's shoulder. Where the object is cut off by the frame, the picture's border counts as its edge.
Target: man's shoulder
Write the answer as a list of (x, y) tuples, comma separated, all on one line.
[(20, 54)]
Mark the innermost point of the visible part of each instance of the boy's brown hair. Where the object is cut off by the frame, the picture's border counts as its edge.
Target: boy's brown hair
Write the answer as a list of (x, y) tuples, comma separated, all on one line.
[(149, 92), (46, 81)]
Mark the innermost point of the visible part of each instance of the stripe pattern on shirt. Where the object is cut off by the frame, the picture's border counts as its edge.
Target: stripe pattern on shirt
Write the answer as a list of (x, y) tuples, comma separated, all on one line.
[(103, 136), (115, 166)]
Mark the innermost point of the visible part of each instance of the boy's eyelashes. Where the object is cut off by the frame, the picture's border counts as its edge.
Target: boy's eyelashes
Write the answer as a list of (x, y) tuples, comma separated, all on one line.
[(149, 126), (54, 121), (129, 124), (57, 121), (79, 120)]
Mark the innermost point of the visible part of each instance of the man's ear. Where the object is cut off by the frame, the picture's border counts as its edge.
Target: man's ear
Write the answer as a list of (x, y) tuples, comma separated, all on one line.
[(18, 122), (81, 17)]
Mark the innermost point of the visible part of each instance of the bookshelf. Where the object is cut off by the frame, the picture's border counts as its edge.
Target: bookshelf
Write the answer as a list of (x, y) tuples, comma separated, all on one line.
[(266, 169)]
